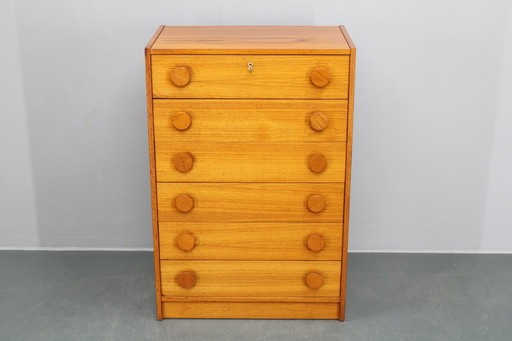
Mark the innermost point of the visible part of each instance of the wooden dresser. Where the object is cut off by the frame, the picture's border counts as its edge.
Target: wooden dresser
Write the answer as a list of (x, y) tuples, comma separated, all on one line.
[(250, 138)]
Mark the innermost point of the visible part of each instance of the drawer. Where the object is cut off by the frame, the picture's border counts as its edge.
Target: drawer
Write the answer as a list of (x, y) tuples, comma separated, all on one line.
[(273, 202), (228, 76), (250, 161), (250, 278), (250, 310), (250, 241), (250, 120)]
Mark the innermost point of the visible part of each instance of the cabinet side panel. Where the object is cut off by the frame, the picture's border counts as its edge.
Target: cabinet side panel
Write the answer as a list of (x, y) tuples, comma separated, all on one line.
[(348, 172), (152, 172)]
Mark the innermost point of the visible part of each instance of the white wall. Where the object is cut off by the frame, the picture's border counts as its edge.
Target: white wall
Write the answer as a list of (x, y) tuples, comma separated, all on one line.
[(432, 148)]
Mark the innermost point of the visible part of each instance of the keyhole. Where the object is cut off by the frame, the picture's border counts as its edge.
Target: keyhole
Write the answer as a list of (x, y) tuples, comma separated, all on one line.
[(250, 66)]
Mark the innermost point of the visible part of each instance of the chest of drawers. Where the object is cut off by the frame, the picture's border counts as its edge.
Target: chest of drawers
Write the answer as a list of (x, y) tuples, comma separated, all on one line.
[(250, 138)]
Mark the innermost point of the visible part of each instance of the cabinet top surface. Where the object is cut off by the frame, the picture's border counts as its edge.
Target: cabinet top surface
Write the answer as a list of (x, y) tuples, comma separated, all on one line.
[(250, 40)]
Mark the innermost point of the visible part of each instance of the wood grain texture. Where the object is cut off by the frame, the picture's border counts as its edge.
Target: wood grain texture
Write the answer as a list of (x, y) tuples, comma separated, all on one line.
[(224, 144), (251, 40), (251, 278), (348, 160), (277, 202), (318, 121), (250, 241), (251, 120), (249, 162), (249, 310), (316, 203), (320, 77), (273, 76), (152, 170)]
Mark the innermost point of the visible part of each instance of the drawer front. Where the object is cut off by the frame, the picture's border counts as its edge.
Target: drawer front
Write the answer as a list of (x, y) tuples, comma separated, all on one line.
[(250, 162), (250, 310), (308, 202), (250, 241), (250, 120), (228, 76), (250, 278)]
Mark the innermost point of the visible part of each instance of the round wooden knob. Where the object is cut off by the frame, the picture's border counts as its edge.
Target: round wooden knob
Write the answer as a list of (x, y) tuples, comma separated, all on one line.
[(187, 279), (180, 76), (181, 120), (316, 203), (314, 280), (316, 242), (318, 121), (317, 163), (184, 203), (186, 241), (320, 77), (183, 161)]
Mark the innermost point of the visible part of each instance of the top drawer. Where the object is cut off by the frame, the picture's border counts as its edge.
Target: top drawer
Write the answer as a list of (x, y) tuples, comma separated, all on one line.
[(272, 76)]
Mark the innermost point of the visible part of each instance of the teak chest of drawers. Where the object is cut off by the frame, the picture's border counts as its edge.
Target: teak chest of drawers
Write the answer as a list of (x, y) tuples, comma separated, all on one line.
[(250, 139)]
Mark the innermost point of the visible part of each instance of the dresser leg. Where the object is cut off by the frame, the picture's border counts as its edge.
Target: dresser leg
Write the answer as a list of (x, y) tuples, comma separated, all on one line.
[(342, 311), (159, 314)]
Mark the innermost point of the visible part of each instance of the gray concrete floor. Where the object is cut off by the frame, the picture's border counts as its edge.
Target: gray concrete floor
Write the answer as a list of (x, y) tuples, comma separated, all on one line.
[(109, 296)]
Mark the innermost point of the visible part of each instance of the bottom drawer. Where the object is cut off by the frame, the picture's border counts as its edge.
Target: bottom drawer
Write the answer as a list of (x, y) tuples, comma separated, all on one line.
[(250, 310), (250, 278)]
